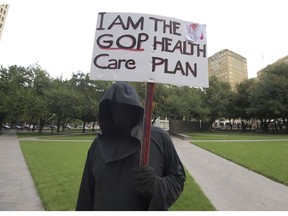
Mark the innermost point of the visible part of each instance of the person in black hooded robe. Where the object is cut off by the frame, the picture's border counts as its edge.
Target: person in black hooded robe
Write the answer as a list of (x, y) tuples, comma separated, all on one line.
[(112, 178)]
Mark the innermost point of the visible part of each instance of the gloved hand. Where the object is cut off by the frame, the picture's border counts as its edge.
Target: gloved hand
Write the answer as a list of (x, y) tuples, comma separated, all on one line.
[(144, 180)]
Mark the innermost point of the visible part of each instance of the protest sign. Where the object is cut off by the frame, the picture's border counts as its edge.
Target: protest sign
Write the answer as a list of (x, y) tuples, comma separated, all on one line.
[(152, 49), (149, 48)]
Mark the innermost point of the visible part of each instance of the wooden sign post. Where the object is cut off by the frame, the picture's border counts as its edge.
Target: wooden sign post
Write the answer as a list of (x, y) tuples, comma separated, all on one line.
[(145, 146)]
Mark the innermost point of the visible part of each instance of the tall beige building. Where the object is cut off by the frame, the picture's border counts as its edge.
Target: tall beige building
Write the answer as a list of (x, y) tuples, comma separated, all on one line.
[(228, 66), (3, 15)]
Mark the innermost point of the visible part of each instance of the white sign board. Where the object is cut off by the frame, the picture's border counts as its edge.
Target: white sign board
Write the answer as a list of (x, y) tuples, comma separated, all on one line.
[(148, 48)]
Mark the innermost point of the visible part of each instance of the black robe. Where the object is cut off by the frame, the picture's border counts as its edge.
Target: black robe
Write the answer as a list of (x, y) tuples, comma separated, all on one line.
[(107, 182)]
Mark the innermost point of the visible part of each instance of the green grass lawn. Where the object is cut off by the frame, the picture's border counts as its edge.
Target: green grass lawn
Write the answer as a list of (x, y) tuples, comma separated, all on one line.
[(58, 136), (235, 136), (266, 154), (57, 166)]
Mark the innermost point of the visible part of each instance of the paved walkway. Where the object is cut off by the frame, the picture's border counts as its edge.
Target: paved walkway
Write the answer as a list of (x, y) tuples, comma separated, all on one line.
[(17, 190), (231, 187)]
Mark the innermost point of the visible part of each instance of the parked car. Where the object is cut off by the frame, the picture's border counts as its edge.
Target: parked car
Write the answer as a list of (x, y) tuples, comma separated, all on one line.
[(81, 127), (6, 126), (68, 126)]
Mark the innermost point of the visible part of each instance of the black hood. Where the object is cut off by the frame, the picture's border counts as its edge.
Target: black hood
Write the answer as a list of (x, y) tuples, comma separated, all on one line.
[(120, 120)]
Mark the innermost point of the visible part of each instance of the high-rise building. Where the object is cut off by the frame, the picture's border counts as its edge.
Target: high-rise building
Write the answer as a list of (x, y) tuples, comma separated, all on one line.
[(228, 66), (279, 61), (3, 15)]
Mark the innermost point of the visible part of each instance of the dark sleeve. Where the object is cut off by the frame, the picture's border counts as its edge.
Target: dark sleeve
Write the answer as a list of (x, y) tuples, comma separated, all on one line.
[(170, 185), (86, 193)]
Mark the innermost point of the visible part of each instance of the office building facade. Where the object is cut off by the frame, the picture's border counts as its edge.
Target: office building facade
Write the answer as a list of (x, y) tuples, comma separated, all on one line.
[(228, 66), (283, 60), (3, 15)]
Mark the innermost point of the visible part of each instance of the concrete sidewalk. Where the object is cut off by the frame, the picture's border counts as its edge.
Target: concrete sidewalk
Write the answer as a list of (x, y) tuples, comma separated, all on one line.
[(17, 190), (229, 186)]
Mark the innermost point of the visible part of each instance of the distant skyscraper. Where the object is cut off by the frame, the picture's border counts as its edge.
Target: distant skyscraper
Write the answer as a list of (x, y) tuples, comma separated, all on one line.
[(3, 15), (229, 67), (279, 61)]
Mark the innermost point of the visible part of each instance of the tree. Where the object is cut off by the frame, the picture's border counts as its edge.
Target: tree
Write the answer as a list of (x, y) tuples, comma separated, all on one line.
[(216, 99), (90, 93), (241, 101), (14, 81), (37, 110), (3, 96), (174, 103), (160, 101), (192, 106), (269, 98), (63, 102), (279, 74)]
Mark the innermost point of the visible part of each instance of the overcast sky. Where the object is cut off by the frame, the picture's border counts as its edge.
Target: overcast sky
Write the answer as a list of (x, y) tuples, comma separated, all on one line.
[(59, 35)]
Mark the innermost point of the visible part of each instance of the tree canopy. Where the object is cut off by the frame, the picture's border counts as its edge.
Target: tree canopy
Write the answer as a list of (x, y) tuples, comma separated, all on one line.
[(29, 95)]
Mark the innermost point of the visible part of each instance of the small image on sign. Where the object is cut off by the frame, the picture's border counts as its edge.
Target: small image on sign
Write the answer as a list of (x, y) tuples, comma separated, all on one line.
[(195, 32)]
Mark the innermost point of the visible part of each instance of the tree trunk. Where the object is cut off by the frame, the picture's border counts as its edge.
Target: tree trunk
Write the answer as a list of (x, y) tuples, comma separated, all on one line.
[(265, 125), (154, 119), (1, 122), (211, 121), (41, 125), (93, 125), (84, 125)]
